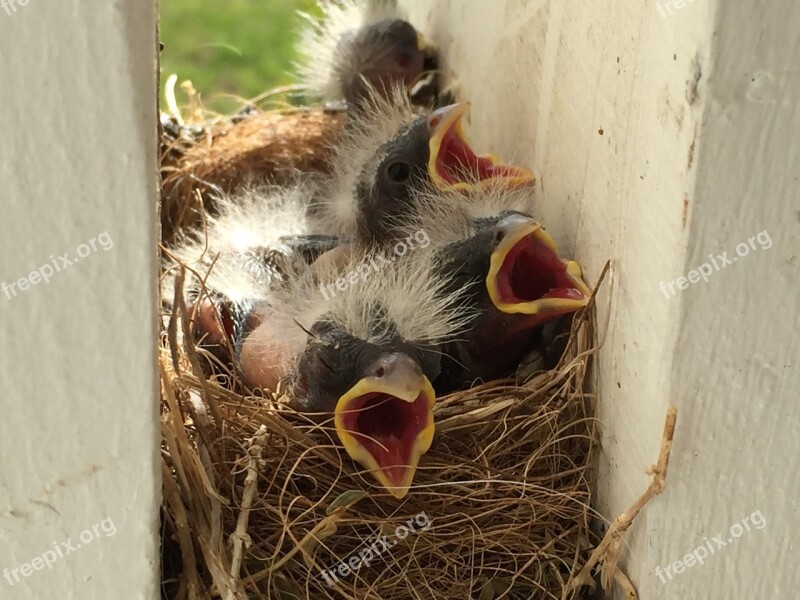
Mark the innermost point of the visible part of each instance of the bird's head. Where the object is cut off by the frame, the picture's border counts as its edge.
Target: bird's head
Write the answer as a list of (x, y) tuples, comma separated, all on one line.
[(372, 350), (489, 236), (429, 152), (380, 396), (357, 48), (527, 276), (379, 56)]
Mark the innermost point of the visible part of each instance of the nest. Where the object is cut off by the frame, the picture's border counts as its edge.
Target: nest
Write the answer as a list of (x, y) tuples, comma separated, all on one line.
[(261, 502), (274, 145)]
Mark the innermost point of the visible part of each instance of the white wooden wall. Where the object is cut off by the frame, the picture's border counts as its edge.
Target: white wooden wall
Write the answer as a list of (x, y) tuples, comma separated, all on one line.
[(78, 427), (663, 132)]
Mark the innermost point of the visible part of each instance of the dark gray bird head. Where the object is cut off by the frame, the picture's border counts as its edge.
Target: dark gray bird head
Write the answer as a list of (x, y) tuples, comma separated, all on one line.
[(507, 268), (358, 48), (380, 56), (380, 395), (522, 270), (488, 233), (370, 354), (388, 155)]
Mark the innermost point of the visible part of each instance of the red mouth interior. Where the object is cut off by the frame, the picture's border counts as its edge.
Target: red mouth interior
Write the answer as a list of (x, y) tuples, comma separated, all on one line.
[(532, 271), (456, 162), (387, 427)]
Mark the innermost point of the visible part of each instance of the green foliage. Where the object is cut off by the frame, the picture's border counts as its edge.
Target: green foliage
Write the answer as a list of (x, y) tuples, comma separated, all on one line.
[(238, 47)]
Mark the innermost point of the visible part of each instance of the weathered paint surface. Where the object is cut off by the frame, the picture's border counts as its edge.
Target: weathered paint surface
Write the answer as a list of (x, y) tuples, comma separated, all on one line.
[(78, 433), (662, 135)]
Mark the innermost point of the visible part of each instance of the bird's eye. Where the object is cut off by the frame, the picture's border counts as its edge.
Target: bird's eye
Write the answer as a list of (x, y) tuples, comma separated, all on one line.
[(399, 172), (323, 360), (325, 364)]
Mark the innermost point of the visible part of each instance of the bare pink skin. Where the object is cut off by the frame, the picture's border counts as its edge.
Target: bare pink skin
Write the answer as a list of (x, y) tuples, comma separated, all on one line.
[(333, 259), (264, 360), (209, 326)]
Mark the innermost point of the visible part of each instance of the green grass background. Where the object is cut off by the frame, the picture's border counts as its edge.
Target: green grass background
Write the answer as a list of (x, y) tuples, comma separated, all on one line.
[(239, 47)]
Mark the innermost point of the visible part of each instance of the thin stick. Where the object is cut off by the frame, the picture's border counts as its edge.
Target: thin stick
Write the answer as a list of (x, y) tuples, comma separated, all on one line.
[(610, 548), (172, 496), (192, 354), (240, 537)]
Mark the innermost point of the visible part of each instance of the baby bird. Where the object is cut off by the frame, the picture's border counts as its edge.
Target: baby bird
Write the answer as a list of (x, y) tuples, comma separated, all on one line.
[(488, 237), (360, 46), (366, 356), (260, 236), (386, 154)]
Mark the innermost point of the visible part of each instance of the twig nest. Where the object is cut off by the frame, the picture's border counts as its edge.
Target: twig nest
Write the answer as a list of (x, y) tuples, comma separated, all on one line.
[(273, 146), (500, 503)]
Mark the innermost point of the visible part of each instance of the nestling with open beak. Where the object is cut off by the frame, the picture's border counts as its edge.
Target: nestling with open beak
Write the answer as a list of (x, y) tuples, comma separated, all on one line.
[(366, 357), (358, 45), (387, 154), (487, 237)]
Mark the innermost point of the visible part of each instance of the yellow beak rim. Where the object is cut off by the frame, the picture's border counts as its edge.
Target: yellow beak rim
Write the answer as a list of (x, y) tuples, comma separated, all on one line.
[(542, 305), (448, 119), (356, 449), (422, 45)]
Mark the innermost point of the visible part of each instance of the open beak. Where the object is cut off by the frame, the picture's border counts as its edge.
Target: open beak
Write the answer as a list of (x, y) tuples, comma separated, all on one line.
[(527, 276), (385, 421), (454, 165)]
